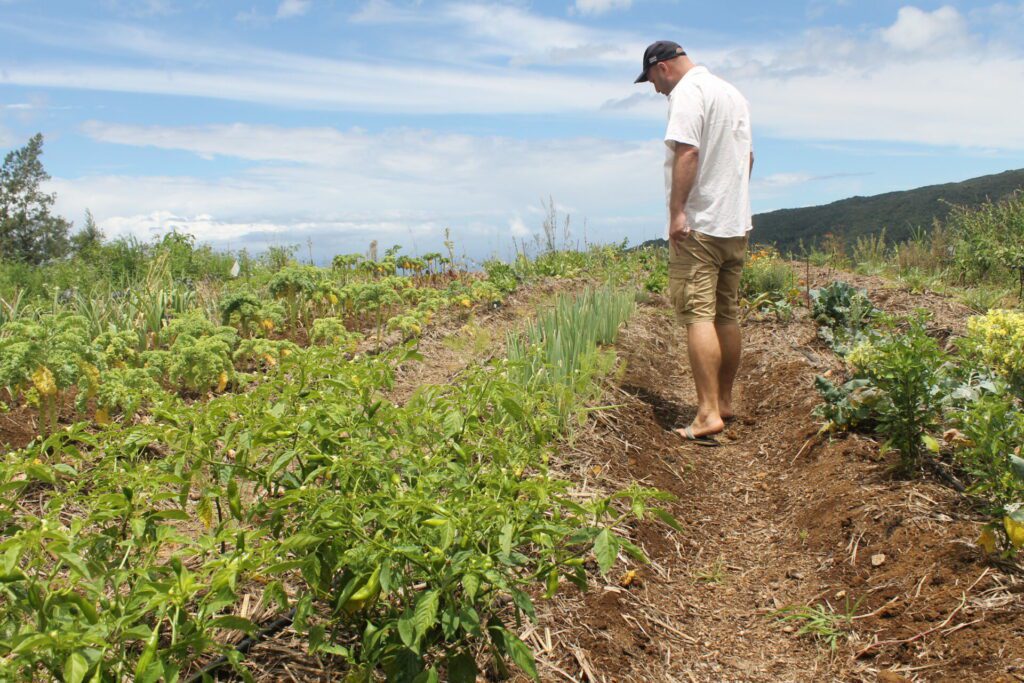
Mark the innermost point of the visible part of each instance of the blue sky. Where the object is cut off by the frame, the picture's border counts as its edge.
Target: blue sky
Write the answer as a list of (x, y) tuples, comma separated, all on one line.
[(276, 122)]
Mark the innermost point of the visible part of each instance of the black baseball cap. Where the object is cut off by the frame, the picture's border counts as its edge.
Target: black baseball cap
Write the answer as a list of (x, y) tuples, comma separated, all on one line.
[(659, 51)]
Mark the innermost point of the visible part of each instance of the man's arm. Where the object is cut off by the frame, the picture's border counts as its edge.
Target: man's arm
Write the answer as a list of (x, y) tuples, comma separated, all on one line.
[(684, 173)]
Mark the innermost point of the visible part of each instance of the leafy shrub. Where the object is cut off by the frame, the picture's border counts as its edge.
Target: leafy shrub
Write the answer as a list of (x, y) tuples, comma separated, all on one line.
[(996, 340), (766, 273), (201, 364), (333, 331), (906, 366), (43, 358), (992, 429), (502, 276), (126, 390), (850, 406), (988, 241), (844, 313), (267, 351), (657, 281)]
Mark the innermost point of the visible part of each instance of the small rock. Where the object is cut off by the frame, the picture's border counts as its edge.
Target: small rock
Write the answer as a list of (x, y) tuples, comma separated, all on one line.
[(789, 629), (793, 574), (840, 595), (878, 560)]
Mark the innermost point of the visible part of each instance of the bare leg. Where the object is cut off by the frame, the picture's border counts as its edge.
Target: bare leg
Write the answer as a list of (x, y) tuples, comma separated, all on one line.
[(705, 363), (730, 343)]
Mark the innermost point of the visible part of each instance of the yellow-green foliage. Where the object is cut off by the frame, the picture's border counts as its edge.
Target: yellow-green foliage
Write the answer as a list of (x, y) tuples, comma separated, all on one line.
[(997, 340)]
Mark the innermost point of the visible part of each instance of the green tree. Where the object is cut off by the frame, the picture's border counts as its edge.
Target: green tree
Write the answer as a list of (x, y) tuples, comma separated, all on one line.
[(89, 238), (28, 231)]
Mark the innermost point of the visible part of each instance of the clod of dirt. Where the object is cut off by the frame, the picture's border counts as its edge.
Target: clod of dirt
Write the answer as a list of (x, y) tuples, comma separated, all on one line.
[(891, 677)]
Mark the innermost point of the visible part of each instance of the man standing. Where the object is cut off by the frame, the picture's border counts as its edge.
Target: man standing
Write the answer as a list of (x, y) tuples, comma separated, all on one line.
[(707, 176)]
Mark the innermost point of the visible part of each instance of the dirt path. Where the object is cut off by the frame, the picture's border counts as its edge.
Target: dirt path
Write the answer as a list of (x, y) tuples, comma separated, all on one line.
[(769, 523)]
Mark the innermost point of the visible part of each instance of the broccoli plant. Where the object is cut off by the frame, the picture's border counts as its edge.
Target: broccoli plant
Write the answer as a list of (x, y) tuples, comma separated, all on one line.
[(126, 390), (41, 359), (294, 284), (118, 349), (333, 331), (242, 310), (251, 352), (201, 364)]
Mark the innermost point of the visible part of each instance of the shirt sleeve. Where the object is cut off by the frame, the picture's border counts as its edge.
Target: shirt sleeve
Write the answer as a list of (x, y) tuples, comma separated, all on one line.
[(685, 119)]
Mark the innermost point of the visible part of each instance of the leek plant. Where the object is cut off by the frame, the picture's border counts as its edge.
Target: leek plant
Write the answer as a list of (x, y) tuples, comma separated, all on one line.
[(559, 352)]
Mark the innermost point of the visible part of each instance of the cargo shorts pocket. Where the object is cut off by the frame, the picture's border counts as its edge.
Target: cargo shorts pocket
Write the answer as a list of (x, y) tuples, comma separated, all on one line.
[(680, 287)]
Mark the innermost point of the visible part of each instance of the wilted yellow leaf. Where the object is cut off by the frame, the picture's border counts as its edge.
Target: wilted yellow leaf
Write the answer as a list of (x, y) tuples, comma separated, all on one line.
[(627, 579), (1015, 530), (44, 381), (987, 541), (102, 416), (222, 380)]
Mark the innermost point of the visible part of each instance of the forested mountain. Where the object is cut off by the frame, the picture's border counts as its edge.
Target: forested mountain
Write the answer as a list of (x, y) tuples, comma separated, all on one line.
[(898, 212)]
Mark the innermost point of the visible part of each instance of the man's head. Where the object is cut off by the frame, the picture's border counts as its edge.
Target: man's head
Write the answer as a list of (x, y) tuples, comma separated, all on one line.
[(665, 64)]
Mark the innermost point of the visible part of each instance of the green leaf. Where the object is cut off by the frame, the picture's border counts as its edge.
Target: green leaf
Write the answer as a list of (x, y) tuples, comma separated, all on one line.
[(76, 563), (552, 583), (426, 612), (453, 424), (41, 473), (407, 629), (462, 669), (606, 549), (471, 584), (1017, 464), (930, 443), (521, 655), (428, 676), (234, 500), (75, 668), (513, 408), (505, 540), (523, 602), (470, 621), (235, 623), (666, 518)]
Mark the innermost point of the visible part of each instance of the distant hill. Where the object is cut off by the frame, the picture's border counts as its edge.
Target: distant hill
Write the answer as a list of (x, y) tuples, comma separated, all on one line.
[(898, 212)]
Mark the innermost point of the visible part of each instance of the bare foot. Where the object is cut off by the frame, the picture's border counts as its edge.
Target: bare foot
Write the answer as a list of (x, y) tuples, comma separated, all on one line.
[(704, 428), (725, 410)]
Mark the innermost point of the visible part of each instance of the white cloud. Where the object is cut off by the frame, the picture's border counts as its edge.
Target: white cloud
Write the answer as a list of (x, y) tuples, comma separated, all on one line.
[(292, 8), (517, 228), (600, 6), (384, 12), (917, 29), (333, 183)]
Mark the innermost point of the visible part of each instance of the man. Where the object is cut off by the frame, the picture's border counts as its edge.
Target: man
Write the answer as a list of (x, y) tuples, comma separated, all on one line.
[(707, 175)]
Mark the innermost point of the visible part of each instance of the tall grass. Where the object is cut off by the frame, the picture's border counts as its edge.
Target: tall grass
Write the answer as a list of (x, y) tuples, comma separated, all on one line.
[(559, 350)]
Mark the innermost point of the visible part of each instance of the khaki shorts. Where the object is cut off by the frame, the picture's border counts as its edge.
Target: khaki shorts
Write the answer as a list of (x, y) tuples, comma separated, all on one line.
[(704, 278)]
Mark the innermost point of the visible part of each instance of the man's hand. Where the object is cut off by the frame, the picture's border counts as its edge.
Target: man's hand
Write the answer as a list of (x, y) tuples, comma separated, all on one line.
[(678, 229)]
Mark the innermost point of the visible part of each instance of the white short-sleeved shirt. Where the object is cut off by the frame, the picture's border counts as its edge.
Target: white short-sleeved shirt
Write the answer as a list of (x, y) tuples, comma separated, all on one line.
[(712, 115)]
